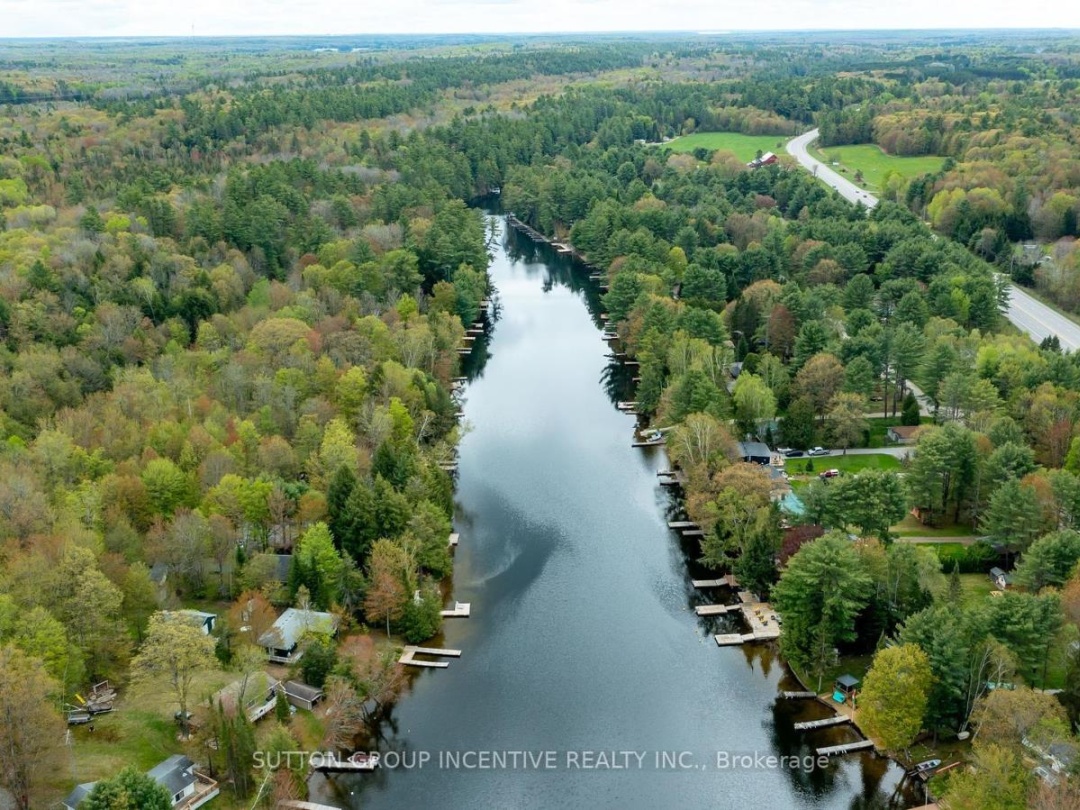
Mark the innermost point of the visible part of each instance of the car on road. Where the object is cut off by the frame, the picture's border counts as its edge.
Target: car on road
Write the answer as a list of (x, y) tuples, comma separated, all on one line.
[(794, 453), (817, 451), (834, 473)]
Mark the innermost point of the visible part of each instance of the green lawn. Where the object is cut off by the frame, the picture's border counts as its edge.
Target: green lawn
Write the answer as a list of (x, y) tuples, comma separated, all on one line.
[(846, 464), (874, 163), (745, 147), (910, 527)]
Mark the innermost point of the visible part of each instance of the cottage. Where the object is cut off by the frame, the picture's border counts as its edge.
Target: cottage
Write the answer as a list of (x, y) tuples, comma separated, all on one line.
[(258, 692), (282, 641), (187, 787), (755, 452), (902, 434), (301, 695)]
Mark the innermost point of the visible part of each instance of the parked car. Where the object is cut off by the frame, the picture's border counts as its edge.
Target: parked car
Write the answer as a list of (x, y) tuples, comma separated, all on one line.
[(783, 450), (817, 451), (794, 453), (829, 474)]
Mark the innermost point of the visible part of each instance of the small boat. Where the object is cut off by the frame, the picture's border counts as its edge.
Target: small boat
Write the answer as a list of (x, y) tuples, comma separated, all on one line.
[(363, 761), (928, 765)]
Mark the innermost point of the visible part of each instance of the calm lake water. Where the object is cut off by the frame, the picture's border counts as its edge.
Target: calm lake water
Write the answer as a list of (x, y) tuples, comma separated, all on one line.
[(583, 647)]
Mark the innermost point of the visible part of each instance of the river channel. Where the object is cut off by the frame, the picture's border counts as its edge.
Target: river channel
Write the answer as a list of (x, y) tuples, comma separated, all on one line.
[(583, 653)]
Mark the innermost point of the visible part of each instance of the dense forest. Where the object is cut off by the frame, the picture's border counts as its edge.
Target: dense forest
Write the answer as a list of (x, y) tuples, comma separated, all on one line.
[(232, 295)]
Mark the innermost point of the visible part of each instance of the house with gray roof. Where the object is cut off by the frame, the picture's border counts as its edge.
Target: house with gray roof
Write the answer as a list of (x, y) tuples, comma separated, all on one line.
[(187, 787), (282, 641)]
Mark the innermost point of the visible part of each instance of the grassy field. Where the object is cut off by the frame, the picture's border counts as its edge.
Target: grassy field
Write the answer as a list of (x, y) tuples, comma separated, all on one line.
[(846, 464), (745, 147), (874, 163)]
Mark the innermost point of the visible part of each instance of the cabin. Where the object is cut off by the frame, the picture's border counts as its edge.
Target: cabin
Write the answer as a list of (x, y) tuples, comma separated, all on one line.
[(259, 695), (282, 641), (844, 688), (902, 434), (755, 452), (187, 787), (301, 695), (1000, 579)]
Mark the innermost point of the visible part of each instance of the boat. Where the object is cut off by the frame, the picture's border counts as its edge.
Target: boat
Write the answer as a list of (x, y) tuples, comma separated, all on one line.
[(363, 761), (928, 765)]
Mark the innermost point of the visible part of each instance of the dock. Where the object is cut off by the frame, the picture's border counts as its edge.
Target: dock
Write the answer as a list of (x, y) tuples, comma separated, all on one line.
[(693, 533), (731, 639), (682, 524), (726, 581), (797, 695), (716, 610), (846, 748), (810, 725), (460, 610), (653, 443), (453, 540), (762, 619), (408, 657), (296, 804)]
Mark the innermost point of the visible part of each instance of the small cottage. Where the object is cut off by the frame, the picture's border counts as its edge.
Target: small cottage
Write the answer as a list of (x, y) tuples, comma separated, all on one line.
[(902, 434), (755, 452), (188, 788), (282, 641)]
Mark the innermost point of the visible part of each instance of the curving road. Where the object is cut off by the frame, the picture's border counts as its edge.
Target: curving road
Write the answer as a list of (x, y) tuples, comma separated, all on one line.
[(1026, 313), (796, 147)]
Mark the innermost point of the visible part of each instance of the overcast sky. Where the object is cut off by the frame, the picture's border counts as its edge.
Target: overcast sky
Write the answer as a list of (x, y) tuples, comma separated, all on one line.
[(47, 18)]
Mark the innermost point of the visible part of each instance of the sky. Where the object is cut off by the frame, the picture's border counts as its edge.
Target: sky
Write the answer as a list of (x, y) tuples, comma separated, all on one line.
[(82, 18)]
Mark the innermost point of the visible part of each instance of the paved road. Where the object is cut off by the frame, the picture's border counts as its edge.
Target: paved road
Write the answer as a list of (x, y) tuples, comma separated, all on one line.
[(1040, 321), (895, 452), (796, 147), (1030, 316)]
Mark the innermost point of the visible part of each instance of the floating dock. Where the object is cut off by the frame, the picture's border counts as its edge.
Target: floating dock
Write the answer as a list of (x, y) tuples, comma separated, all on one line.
[(682, 524), (460, 610), (654, 443), (846, 748), (453, 540), (796, 695), (693, 533), (810, 725), (408, 657)]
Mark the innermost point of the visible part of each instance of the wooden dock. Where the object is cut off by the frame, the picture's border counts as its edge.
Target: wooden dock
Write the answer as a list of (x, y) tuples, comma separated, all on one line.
[(846, 748), (296, 804), (797, 695), (693, 533), (716, 610), (460, 610), (681, 524), (731, 639), (654, 443), (726, 581), (810, 725), (408, 657)]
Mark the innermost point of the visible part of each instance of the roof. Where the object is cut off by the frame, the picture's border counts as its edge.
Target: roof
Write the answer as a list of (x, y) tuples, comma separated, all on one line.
[(848, 681), (78, 794), (175, 773), (754, 450), (996, 572), (158, 572), (302, 691), (284, 566), (904, 431), (293, 624), (258, 684)]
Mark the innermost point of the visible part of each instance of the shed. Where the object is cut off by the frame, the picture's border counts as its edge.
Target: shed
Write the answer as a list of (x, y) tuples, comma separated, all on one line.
[(844, 687), (283, 639), (301, 695), (1000, 579), (755, 452)]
